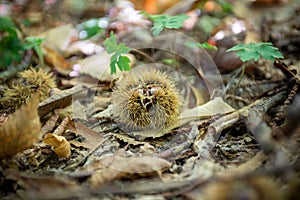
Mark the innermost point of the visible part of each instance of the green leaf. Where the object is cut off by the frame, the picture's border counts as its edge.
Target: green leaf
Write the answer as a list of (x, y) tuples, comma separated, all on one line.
[(35, 43), (165, 21), (11, 46), (255, 51), (11, 50), (204, 45), (123, 63), (175, 21), (122, 49), (157, 28), (113, 68), (111, 45), (7, 25), (117, 59), (32, 42)]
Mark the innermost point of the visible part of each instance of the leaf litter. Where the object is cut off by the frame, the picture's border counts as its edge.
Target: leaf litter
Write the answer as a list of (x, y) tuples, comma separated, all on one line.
[(234, 142)]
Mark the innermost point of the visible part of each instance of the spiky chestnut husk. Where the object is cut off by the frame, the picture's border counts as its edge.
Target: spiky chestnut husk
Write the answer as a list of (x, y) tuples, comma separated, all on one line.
[(30, 81), (146, 101)]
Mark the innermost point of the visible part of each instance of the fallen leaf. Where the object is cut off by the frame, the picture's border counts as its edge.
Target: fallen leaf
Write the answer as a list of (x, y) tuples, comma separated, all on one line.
[(21, 129), (44, 187), (252, 187), (154, 6), (129, 140), (63, 126), (91, 138), (51, 122), (56, 60), (86, 47), (60, 145), (213, 107), (58, 38), (60, 99), (251, 165), (180, 7), (121, 167)]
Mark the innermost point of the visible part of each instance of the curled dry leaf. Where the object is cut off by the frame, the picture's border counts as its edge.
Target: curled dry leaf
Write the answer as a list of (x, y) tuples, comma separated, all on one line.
[(60, 145), (120, 167), (21, 130)]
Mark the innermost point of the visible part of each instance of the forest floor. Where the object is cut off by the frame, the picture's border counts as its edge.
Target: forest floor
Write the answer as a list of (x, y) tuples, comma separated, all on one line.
[(183, 123)]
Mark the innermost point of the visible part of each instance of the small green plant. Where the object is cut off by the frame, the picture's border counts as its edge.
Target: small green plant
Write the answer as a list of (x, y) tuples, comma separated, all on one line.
[(35, 44), (204, 45), (10, 44), (161, 22), (255, 51), (12, 47), (117, 59)]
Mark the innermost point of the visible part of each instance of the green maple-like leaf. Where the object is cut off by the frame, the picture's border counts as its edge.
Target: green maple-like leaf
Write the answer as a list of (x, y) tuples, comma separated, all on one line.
[(165, 21), (117, 59), (123, 63), (255, 51)]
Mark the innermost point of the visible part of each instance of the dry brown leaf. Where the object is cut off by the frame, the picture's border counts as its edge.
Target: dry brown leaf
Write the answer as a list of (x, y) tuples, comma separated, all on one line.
[(44, 187), (251, 165), (154, 6), (91, 138), (56, 60), (121, 167), (63, 126), (213, 107), (97, 66), (128, 139), (51, 122), (60, 99), (59, 38), (21, 130), (252, 187), (59, 144), (180, 7)]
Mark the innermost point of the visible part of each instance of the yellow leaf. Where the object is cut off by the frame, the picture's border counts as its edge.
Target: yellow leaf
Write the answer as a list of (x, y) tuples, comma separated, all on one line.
[(21, 130), (60, 145)]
